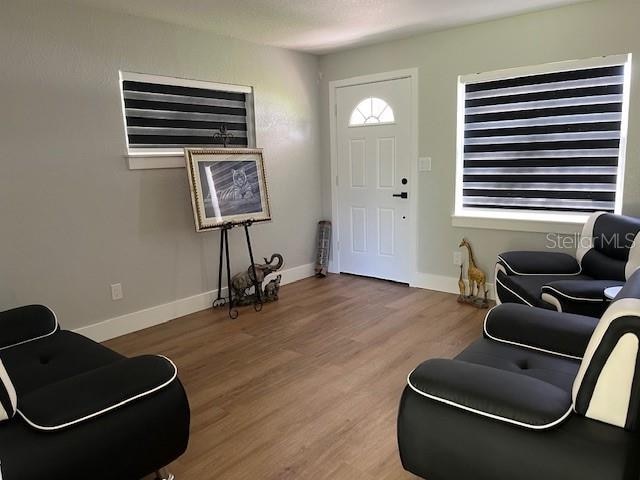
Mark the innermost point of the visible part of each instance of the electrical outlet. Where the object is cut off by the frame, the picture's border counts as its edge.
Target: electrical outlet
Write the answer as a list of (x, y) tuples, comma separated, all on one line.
[(116, 291), (457, 258)]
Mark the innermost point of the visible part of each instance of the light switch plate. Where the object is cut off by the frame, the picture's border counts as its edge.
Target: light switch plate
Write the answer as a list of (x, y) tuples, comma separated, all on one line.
[(424, 164)]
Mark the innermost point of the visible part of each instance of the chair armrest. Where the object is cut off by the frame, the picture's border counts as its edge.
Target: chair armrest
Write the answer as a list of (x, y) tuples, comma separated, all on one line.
[(97, 392), (538, 263), (581, 290), (497, 394), (563, 334), (585, 297), (23, 324)]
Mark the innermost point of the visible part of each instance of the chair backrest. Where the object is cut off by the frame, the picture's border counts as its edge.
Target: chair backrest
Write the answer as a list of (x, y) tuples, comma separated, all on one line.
[(609, 247), (607, 387)]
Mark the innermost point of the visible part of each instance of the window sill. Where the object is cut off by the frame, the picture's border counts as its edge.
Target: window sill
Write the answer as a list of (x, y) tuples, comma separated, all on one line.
[(548, 224), (157, 160)]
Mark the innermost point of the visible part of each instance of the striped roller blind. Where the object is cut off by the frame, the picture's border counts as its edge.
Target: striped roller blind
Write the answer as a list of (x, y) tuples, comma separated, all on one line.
[(163, 113), (544, 141)]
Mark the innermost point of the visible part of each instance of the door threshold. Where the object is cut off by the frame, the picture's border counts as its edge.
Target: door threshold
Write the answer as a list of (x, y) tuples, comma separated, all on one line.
[(398, 282)]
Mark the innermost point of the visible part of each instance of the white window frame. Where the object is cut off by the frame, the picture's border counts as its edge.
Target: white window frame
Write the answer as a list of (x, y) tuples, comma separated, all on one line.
[(143, 159), (531, 220)]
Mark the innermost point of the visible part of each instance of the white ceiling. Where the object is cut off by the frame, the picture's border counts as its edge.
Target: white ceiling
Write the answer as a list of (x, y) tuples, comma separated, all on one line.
[(322, 26)]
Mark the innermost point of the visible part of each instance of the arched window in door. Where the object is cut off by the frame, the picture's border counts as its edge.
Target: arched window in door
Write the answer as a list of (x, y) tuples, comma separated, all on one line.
[(371, 111)]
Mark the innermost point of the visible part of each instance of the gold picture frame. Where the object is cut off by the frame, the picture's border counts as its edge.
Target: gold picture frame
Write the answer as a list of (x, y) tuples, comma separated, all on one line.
[(228, 186)]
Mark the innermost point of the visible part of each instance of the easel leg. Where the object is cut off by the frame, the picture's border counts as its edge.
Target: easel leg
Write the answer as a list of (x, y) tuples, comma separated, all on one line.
[(258, 305), (219, 301), (233, 313)]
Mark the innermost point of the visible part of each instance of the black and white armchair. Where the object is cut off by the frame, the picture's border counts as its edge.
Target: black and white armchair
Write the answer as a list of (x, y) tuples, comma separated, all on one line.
[(73, 409), (608, 253), (544, 395)]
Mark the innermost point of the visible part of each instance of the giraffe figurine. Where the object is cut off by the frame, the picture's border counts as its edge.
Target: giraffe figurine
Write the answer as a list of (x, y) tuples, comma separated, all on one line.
[(477, 278), (461, 286)]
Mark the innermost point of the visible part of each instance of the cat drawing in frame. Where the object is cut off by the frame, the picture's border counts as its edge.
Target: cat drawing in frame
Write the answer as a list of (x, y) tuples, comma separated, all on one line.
[(240, 189)]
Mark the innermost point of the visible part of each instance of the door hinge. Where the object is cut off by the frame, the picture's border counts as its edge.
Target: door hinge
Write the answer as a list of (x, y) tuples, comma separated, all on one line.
[(337, 181), (338, 245)]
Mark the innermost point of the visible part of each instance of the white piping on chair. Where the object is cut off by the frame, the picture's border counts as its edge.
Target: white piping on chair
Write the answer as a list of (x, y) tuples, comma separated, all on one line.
[(489, 415), (55, 328), (499, 268), (108, 409), (551, 300), (540, 274)]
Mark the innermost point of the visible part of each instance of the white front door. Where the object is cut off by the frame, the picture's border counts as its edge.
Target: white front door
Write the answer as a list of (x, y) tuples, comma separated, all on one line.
[(374, 168)]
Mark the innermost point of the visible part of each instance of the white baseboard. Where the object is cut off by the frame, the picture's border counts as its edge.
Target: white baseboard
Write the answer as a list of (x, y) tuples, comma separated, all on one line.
[(441, 283), (132, 322)]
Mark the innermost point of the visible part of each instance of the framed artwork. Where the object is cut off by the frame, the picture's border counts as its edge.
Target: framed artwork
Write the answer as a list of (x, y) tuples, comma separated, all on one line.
[(228, 186)]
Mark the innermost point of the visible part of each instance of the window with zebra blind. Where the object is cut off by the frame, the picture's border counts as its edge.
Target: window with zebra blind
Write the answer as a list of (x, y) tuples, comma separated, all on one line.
[(163, 115), (544, 142)]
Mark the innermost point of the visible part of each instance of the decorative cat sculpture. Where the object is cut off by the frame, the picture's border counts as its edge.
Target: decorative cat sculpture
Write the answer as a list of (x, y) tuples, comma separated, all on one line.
[(240, 189), (271, 289)]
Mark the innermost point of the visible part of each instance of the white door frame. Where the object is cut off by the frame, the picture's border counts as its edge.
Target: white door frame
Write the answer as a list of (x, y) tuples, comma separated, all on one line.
[(412, 74)]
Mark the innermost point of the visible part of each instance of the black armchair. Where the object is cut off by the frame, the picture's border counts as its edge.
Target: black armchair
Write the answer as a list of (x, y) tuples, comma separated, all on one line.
[(83, 411), (506, 408), (607, 255)]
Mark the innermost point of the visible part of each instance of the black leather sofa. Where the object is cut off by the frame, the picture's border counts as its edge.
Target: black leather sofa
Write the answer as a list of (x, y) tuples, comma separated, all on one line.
[(608, 253), (543, 395), (71, 408)]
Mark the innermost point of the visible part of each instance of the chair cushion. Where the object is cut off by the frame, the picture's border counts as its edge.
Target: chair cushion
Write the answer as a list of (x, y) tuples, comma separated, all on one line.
[(56, 357), (584, 297), (557, 371), (8, 398), (512, 385), (85, 396), (580, 290), (598, 265), (529, 287)]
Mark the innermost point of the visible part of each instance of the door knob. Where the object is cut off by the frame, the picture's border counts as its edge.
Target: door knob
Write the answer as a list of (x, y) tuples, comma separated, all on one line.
[(401, 195)]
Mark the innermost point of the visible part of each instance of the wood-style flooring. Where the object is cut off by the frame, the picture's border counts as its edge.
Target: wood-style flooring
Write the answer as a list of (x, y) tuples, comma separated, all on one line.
[(309, 387)]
